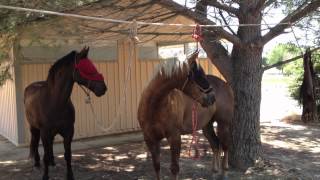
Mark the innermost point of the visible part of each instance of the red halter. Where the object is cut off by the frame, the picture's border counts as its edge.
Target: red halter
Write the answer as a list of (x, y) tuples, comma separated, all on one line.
[(88, 71)]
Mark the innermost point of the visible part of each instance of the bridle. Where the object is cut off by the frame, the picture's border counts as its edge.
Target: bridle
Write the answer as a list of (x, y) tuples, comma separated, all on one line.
[(189, 78)]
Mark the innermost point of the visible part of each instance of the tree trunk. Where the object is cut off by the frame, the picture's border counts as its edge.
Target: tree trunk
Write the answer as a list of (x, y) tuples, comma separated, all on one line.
[(246, 82), (247, 76)]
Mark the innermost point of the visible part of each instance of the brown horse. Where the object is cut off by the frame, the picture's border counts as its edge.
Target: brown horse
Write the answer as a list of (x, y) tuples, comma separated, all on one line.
[(165, 107), (222, 116), (49, 109)]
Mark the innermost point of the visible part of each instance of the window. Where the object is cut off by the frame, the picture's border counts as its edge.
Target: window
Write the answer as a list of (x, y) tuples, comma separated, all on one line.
[(179, 50), (170, 51)]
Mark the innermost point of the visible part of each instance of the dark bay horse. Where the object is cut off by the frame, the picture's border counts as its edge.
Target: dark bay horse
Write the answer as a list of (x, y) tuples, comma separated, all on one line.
[(49, 109), (164, 107)]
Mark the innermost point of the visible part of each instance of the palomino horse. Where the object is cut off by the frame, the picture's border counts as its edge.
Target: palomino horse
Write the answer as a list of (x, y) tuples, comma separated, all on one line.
[(49, 109), (163, 109)]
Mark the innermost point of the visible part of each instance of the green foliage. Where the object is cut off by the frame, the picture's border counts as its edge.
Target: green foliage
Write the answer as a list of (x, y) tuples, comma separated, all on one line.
[(280, 53), (4, 74), (10, 20), (294, 71)]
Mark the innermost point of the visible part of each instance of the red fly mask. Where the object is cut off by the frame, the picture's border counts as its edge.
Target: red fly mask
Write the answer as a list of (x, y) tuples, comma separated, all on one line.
[(88, 71)]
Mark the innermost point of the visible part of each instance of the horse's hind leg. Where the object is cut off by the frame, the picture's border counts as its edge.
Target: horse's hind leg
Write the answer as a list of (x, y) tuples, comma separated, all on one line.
[(67, 139), (34, 144), (214, 142), (154, 148), (175, 147), (224, 133)]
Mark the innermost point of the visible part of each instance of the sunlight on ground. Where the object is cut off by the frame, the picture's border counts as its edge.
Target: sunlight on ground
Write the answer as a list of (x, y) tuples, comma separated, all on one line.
[(276, 102), (301, 143), (7, 162), (129, 168), (109, 148), (142, 156)]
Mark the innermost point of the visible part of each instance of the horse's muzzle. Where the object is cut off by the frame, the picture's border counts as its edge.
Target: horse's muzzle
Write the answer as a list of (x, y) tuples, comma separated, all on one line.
[(100, 89)]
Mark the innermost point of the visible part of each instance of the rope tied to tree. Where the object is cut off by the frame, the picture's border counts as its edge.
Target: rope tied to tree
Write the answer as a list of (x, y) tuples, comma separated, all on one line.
[(197, 34)]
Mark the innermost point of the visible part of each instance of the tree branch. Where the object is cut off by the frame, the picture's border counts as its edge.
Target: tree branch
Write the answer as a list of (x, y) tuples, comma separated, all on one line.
[(225, 21), (260, 5), (268, 3), (295, 16), (218, 55), (287, 61), (224, 7), (200, 19)]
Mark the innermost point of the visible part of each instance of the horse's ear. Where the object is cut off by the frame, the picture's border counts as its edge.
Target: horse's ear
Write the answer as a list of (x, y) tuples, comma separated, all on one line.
[(87, 51), (84, 52), (193, 57)]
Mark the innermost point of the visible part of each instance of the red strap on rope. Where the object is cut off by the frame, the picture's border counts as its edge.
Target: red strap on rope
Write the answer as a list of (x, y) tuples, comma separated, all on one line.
[(194, 141), (197, 33)]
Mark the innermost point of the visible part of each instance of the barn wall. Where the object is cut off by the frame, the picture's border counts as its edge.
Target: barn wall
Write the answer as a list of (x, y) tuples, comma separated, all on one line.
[(8, 110), (117, 105)]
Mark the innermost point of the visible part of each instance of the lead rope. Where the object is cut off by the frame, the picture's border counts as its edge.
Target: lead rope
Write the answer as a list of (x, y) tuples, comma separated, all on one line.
[(197, 36), (133, 39), (195, 138)]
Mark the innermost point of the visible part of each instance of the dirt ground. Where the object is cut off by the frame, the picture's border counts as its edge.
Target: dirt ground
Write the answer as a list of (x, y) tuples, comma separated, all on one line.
[(290, 151)]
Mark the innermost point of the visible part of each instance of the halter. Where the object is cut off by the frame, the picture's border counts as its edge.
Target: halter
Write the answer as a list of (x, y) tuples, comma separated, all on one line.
[(87, 71), (206, 91)]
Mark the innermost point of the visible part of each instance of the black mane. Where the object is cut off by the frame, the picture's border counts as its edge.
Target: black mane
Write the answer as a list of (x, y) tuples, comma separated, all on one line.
[(64, 61)]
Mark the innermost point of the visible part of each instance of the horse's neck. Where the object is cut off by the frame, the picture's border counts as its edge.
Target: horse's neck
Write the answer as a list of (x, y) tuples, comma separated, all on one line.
[(162, 86), (60, 90)]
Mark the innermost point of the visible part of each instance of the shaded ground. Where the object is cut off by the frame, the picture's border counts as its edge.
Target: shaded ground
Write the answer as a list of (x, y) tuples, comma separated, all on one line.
[(290, 152)]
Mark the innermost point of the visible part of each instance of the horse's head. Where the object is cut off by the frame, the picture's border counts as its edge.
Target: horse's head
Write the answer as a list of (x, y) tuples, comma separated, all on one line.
[(197, 85), (86, 74)]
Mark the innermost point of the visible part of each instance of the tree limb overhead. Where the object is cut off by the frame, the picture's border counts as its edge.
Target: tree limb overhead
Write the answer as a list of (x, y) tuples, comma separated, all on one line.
[(201, 20), (224, 7), (293, 17)]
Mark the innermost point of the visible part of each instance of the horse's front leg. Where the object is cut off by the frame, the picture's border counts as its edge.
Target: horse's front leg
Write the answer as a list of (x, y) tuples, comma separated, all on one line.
[(46, 139), (175, 148), (67, 139)]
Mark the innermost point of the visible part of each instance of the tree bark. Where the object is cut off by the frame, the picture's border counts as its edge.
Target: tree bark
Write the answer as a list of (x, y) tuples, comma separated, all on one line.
[(247, 76)]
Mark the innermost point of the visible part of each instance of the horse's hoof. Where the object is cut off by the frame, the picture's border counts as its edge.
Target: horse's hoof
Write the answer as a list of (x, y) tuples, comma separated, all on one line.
[(37, 165), (215, 170), (70, 176), (224, 178), (52, 163), (45, 177)]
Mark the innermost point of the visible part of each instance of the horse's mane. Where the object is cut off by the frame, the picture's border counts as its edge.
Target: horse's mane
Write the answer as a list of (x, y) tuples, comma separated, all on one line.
[(65, 60), (170, 67)]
